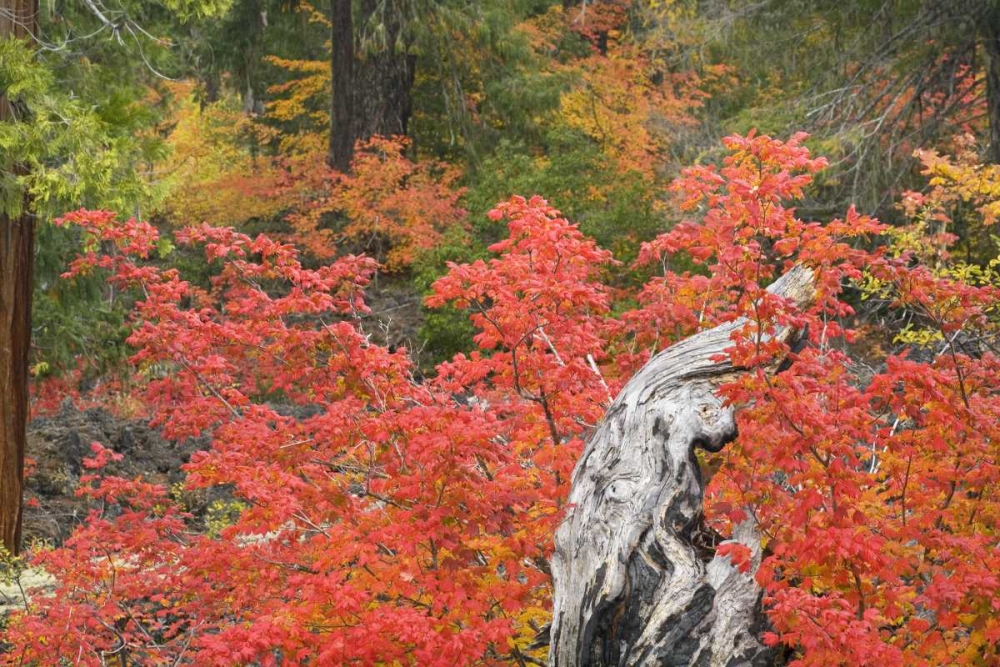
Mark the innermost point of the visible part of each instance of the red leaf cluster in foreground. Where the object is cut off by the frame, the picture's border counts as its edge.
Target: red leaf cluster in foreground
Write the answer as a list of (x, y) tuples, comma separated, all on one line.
[(371, 518)]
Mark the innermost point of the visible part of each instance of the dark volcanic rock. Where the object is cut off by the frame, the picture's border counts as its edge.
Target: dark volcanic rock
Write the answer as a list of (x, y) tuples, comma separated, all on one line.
[(58, 445)]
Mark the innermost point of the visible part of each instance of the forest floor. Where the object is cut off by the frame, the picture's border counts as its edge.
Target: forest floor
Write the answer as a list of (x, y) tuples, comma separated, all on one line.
[(58, 443), (57, 446)]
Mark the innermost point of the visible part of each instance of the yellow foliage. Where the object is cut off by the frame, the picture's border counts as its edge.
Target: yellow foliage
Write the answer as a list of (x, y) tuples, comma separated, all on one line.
[(963, 195), (303, 96), (627, 105), (962, 179), (213, 173)]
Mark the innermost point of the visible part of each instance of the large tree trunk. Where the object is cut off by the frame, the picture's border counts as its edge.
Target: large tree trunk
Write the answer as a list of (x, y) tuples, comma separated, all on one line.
[(384, 76), (372, 88), (16, 258), (631, 586), (991, 44), (18, 19), (342, 73), (383, 101)]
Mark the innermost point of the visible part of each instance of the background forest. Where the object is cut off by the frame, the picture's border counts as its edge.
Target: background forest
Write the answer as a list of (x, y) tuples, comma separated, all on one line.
[(339, 290)]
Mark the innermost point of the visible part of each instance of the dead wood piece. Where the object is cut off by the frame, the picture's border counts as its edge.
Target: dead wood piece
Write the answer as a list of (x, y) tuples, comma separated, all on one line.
[(631, 589)]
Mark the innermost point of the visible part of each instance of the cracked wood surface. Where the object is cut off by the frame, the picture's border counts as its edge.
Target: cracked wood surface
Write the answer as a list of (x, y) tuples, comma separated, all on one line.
[(631, 589)]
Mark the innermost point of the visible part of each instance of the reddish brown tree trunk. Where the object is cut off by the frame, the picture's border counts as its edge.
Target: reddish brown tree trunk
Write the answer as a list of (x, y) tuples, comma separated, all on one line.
[(18, 19), (16, 257)]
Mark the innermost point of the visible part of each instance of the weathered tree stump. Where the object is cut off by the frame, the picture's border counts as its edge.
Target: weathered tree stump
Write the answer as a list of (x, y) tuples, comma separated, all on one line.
[(631, 587)]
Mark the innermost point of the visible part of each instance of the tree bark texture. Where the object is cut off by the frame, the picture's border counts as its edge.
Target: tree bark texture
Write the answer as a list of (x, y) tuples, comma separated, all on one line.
[(991, 45), (372, 87), (342, 74), (631, 587), (384, 76), (18, 19)]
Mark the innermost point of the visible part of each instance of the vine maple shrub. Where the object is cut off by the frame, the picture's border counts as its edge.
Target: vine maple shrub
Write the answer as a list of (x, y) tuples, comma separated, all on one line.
[(394, 207), (394, 523), (376, 519)]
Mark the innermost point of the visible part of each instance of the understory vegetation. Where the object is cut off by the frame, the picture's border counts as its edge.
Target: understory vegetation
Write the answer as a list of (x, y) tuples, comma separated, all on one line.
[(377, 298)]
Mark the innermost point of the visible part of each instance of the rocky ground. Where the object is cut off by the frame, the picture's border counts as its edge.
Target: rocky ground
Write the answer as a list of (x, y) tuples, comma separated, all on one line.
[(396, 316), (57, 446), (59, 443)]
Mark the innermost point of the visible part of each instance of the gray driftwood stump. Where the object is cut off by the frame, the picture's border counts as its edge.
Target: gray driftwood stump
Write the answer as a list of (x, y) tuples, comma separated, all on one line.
[(631, 587)]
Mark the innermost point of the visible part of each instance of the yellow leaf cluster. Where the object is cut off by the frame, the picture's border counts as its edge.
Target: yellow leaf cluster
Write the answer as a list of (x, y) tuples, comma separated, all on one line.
[(213, 172)]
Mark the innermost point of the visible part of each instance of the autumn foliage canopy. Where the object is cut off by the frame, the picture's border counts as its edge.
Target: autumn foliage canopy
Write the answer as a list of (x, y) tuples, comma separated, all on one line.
[(374, 516)]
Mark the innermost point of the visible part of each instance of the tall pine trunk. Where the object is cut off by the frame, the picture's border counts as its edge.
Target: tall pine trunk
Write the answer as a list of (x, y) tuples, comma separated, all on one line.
[(18, 19), (342, 73), (991, 44), (384, 76), (371, 88)]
